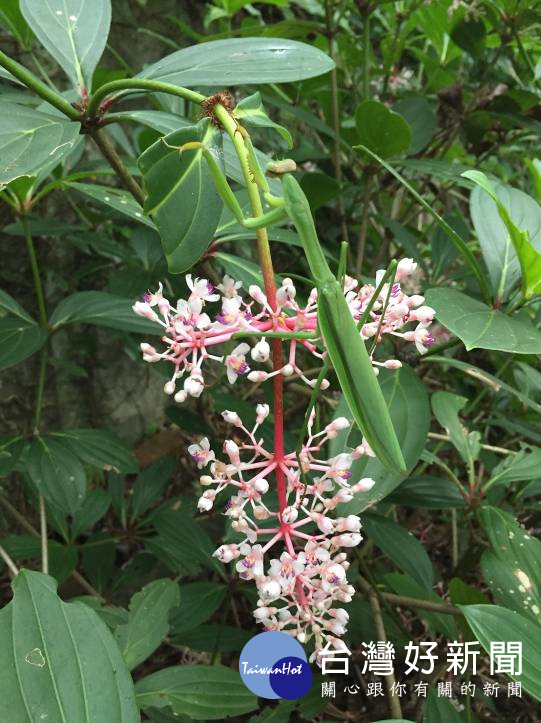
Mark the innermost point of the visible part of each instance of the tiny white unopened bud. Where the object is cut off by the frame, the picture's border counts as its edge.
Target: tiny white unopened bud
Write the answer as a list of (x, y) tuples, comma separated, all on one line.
[(194, 385), (289, 515), (163, 306), (205, 480), (226, 553), (262, 486), (263, 612), (270, 590), (337, 425), (347, 540), (301, 637), (344, 495), (262, 411), (232, 451), (257, 294), (257, 376), (392, 364), (261, 351), (260, 512), (415, 300), (404, 268), (205, 503), (169, 387), (325, 524), (180, 396), (325, 384), (232, 418), (287, 370), (143, 309), (424, 314), (363, 485)]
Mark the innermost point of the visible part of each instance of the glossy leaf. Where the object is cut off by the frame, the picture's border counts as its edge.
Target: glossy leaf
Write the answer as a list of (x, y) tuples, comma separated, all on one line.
[(401, 547), (512, 567), (58, 661), (115, 198), (251, 112), (481, 327), (8, 304), (19, 339), (508, 225), (102, 309), (382, 130), (240, 61), (147, 623), (491, 623), (199, 601), (57, 473), (31, 140), (446, 407), (99, 448), (436, 493), (74, 32), (181, 194)]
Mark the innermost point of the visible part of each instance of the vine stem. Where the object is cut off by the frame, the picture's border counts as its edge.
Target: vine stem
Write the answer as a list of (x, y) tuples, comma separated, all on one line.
[(265, 260), (107, 148)]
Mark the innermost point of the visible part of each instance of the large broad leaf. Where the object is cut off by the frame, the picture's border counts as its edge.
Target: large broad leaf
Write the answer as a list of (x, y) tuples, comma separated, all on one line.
[(512, 567), (382, 130), (199, 601), (523, 465), (102, 309), (508, 225), (19, 339), (99, 448), (481, 327), (436, 493), (401, 547), (202, 692), (422, 120), (240, 61), (31, 140), (181, 194), (491, 623), (440, 710), (115, 198), (74, 32), (407, 401), (58, 661), (147, 623), (250, 110), (446, 407), (57, 473)]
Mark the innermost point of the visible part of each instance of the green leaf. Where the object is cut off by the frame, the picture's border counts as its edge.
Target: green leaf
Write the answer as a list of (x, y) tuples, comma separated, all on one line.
[(401, 547), (512, 567), (446, 407), (435, 493), (421, 118), (469, 34), (491, 623), (240, 61), (457, 241), (58, 661), (481, 327), (382, 130), (211, 637), (182, 197), (526, 239), (96, 504), (150, 485), (9, 304), (523, 465), (199, 601), (115, 198), (407, 401), (440, 710), (12, 19), (31, 140), (57, 473), (182, 543), (148, 622), (74, 32), (102, 309), (99, 448), (19, 339), (250, 110), (62, 558)]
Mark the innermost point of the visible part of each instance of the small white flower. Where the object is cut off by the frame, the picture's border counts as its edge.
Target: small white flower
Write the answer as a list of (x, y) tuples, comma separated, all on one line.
[(202, 452), (261, 351)]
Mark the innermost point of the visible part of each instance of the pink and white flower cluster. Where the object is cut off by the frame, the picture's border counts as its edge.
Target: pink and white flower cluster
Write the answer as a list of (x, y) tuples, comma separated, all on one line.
[(301, 585), (192, 337)]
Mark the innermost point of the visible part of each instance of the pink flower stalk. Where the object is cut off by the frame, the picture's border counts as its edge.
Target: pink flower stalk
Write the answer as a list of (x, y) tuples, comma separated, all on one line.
[(300, 584), (192, 337)]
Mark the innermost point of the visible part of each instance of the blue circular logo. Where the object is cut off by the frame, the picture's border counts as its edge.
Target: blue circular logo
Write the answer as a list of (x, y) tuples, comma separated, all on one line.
[(274, 665), (291, 678)]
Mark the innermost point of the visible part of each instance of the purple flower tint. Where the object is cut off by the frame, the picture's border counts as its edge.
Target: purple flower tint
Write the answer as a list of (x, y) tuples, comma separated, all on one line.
[(395, 290), (429, 340), (210, 287), (243, 368), (147, 297)]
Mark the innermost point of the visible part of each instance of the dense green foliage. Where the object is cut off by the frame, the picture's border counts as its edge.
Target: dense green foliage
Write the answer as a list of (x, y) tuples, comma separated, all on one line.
[(414, 127)]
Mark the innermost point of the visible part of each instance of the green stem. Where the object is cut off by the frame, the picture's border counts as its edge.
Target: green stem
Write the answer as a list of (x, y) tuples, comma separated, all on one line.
[(107, 148), (43, 535), (40, 389), (38, 86), (134, 84), (35, 271), (9, 562), (366, 57)]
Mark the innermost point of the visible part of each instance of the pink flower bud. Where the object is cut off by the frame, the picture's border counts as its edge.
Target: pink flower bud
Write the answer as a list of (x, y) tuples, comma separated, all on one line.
[(232, 451), (289, 515), (325, 524), (143, 309), (287, 370), (232, 418), (364, 485), (261, 485), (194, 385), (415, 300), (392, 364), (405, 268), (256, 293), (424, 314), (262, 411), (226, 553), (169, 387), (258, 376)]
